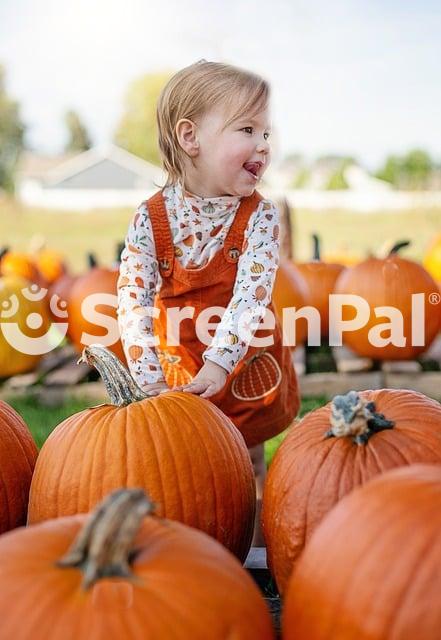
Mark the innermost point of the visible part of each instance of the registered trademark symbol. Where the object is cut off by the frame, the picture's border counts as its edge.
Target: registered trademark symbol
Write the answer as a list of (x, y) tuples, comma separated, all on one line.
[(434, 298)]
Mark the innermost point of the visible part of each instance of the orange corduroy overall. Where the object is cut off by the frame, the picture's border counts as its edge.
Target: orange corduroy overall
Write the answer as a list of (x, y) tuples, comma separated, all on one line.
[(261, 394)]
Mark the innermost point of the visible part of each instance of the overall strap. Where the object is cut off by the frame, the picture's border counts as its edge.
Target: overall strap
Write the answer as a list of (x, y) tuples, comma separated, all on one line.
[(234, 240), (161, 232)]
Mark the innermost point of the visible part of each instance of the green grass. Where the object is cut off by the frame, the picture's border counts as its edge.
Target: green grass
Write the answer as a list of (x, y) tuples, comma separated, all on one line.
[(75, 234), (42, 419), (308, 404)]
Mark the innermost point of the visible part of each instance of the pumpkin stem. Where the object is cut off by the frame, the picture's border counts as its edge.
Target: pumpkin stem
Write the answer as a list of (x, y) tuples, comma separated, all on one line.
[(92, 261), (352, 415), (398, 246), (316, 247), (3, 251), (120, 386), (104, 546)]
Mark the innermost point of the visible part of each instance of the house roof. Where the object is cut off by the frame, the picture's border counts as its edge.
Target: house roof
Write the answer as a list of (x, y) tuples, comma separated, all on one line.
[(82, 161), (35, 165)]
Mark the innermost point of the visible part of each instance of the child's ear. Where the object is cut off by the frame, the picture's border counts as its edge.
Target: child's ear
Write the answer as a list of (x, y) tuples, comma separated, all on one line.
[(186, 133)]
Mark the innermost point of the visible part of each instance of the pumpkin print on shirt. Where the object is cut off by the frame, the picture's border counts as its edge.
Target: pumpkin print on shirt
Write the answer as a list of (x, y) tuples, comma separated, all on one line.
[(199, 227)]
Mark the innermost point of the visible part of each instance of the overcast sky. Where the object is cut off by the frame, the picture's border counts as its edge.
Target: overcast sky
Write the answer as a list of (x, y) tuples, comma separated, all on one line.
[(361, 77)]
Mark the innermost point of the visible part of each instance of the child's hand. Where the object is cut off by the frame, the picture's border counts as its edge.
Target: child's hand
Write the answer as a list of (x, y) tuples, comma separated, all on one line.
[(155, 388), (209, 380)]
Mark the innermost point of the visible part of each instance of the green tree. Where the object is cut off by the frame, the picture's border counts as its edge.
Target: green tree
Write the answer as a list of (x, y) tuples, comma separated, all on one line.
[(79, 139), (137, 130), (410, 171), (12, 132), (417, 167), (337, 181), (391, 171)]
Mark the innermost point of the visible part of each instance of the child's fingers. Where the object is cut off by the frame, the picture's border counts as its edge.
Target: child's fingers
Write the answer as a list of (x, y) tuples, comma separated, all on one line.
[(195, 387), (210, 391)]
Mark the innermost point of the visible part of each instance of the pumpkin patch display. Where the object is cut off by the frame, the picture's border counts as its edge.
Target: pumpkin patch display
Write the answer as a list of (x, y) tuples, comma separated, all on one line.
[(124, 574), (372, 569), (18, 454), (321, 278), (180, 448), (389, 286), (334, 449)]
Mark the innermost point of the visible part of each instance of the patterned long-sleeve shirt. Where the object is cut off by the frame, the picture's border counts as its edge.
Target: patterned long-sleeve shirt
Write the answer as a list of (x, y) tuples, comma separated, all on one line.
[(199, 227)]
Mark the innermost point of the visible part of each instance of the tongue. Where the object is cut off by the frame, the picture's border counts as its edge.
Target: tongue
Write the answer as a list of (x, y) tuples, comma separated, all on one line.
[(253, 167)]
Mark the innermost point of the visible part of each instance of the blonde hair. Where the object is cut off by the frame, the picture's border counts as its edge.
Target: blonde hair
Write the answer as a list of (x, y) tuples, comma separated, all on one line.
[(196, 89)]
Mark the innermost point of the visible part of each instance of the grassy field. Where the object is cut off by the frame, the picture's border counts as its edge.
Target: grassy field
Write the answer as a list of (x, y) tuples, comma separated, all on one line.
[(42, 420), (75, 234)]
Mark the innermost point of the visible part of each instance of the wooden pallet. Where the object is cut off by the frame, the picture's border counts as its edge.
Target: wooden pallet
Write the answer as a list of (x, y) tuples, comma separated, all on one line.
[(57, 377), (355, 372)]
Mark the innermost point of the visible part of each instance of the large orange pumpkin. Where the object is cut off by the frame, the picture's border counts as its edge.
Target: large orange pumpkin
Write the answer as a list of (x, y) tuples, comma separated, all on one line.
[(18, 454), (98, 280), (23, 318), (123, 574), (180, 448), (321, 278), (291, 290), (310, 472), (372, 570), (391, 282)]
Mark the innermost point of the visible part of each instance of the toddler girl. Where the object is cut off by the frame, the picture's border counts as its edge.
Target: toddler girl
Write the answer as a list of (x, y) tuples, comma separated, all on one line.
[(209, 242)]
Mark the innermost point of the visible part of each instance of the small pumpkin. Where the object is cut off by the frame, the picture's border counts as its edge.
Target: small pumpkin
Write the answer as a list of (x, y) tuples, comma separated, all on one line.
[(50, 263), (13, 263), (391, 282), (18, 454), (333, 450), (124, 574), (180, 448), (372, 569), (320, 277)]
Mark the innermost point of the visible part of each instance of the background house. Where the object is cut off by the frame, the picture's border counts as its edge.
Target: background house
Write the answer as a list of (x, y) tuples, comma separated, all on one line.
[(105, 176)]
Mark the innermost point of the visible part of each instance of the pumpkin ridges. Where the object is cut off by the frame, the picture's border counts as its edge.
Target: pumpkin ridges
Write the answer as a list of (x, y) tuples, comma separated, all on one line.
[(18, 454), (144, 470), (298, 465), (375, 601), (182, 577)]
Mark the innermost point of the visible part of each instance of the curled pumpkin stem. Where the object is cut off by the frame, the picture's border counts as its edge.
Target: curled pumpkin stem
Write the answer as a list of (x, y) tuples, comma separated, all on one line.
[(103, 546), (352, 415), (120, 386)]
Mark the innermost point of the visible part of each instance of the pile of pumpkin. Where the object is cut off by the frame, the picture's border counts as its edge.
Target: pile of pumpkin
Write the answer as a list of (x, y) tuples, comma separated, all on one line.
[(351, 517), (389, 280), (43, 287), (381, 280)]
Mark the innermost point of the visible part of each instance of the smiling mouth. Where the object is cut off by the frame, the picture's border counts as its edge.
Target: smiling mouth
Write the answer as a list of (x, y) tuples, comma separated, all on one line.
[(252, 169)]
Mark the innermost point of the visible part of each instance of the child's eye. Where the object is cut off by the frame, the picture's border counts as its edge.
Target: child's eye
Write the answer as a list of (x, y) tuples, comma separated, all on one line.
[(251, 130)]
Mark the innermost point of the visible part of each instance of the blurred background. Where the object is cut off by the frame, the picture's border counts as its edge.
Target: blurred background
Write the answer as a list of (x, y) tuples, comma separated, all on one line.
[(356, 99)]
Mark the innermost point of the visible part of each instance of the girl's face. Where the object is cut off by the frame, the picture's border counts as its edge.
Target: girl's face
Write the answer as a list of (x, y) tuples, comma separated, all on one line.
[(220, 154)]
